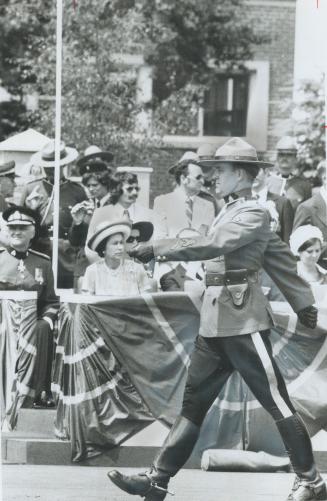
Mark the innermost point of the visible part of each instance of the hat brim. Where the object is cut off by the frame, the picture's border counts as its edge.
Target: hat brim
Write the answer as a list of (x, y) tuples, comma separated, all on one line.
[(20, 223), (37, 159), (105, 156), (104, 233), (145, 228), (94, 168), (213, 162), (34, 217), (7, 168)]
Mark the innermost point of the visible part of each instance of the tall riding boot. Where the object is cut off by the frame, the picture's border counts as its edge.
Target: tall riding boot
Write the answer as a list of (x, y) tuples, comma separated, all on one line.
[(174, 453), (309, 485)]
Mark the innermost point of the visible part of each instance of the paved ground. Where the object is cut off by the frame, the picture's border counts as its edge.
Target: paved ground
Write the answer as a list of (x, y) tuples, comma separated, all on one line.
[(78, 483)]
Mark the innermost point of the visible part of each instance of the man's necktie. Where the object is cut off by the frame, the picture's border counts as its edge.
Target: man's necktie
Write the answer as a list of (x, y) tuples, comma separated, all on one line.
[(189, 211), (127, 214)]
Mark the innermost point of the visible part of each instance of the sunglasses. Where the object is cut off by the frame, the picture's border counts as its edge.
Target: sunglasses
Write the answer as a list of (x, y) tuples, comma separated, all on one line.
[(131, 188), (130, 240), (198, 177)]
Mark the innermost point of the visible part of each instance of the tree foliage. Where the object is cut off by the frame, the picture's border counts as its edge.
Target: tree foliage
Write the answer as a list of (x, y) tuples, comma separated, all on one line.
[(309, 121), (186, 43)]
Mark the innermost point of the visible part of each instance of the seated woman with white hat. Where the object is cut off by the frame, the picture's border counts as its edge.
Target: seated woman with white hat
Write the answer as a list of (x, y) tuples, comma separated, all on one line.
[(306, 242), (114, 274)]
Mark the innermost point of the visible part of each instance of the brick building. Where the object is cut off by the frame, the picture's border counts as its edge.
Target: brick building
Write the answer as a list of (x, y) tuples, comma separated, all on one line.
[(260, 99)]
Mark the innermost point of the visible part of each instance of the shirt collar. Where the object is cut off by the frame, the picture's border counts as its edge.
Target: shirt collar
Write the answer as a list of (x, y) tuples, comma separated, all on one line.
[(182, 193), (245, 193)]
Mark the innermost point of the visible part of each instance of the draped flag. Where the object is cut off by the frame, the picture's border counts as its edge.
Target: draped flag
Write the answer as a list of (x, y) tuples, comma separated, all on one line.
[(121, 363), (17, 353)]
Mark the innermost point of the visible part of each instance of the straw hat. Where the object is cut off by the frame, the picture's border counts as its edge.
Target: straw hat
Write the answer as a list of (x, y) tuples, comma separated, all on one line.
[(104, 230)]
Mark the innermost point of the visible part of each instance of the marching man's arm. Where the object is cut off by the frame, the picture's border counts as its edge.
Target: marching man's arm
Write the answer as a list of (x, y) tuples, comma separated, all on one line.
[(241, 230)]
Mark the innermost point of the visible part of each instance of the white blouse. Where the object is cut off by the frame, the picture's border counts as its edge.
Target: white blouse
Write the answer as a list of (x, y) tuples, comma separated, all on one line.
[(128, 279)]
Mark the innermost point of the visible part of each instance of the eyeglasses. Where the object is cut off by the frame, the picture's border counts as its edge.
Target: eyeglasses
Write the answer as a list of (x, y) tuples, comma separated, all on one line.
[(131, 188), (131, 240), (198, 177)]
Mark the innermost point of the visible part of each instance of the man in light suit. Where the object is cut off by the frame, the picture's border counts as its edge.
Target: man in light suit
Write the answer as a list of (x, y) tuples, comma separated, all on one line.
[(314, 211), (183, 210), (234, 327)]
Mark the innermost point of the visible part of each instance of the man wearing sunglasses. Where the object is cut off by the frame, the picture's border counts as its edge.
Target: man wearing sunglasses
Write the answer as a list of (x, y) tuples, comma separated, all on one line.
[(122, 202), (183, 209)]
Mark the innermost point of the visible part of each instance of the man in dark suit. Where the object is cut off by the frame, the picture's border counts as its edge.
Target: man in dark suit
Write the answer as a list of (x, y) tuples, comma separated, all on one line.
[(39, 195), (314, 211), (296, 188), (280, 207), (234, 326)]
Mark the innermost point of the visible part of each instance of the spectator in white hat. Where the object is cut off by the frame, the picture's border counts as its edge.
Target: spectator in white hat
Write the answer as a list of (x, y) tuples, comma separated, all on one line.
[(306, 242), (113, 274)]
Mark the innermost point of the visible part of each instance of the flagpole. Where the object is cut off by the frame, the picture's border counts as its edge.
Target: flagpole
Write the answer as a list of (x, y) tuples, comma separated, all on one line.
[(57, 140)]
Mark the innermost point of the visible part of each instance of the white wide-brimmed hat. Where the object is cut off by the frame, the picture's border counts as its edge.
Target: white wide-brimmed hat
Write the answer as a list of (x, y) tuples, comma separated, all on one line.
[(46, 157), (302, 234), (104, 230)]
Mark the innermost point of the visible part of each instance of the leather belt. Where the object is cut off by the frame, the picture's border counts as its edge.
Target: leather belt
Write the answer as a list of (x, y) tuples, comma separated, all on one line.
[(230, 277)]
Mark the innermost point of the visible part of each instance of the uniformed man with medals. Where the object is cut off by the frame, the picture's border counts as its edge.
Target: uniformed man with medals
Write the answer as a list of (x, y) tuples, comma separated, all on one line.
[(22, 268), (234, 326)]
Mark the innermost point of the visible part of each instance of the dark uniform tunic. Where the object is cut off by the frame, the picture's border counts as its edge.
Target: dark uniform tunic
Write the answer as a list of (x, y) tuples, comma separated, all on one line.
[(31, 271), (71, 193)]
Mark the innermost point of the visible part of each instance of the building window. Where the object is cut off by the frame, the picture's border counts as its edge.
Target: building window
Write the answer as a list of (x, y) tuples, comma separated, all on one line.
[(225, 106)]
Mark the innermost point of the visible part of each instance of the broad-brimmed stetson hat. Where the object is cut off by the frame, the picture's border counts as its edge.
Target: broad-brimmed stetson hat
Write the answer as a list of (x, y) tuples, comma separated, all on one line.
[(104, 230), (46, 157), (94, 160), (235, 150)]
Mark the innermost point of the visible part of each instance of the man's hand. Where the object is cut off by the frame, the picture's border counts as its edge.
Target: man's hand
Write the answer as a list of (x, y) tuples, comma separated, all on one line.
[(35, 199), (82, 212), (308, 316), (143, 252)]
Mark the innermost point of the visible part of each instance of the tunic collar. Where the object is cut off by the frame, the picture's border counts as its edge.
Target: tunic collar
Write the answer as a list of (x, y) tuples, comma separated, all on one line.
[(18, 254)]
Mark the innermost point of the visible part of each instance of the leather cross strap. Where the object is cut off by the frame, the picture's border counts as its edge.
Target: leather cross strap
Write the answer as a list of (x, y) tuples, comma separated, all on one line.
[(231, 277)]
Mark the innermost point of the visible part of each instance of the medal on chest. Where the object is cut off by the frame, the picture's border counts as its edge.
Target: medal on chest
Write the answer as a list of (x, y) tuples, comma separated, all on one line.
[(39, 276), (21, 268)]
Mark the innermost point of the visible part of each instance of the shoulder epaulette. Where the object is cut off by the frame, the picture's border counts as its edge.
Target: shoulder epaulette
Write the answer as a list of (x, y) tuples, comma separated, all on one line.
[(37, 253)]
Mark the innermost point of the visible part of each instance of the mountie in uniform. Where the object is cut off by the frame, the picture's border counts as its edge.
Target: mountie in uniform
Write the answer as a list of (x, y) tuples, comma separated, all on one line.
[(234, 326), (22, 268)]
